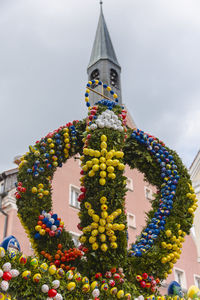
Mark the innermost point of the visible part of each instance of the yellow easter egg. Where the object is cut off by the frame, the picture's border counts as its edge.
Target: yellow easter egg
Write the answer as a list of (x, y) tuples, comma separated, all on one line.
[(113, 245), (113, 291), (88, 205), (102, 174), (110, 169), (95, 218), (90, 212), (34, 190), (2, 296), (92, 239), (86, 288), (103, 145), (103, 238), (95, 246), (97, 153), (115, 226), (91, 152), (83, 239), (94, 285), (95, 168), (120, 294), (95, 161), (168, 233), (2, 252), (192, 291), (26, 275), (77, 277), (104, 214), (102, 222), (91, 173), (89, 164), (103, 200), (42, 232), (37, 277), (104, 247), (71, 286), (115, 162), (103, 138), (43, 267), (34, 262), (112, 175), (121, 227), (104, 207), (102, 181), (121, 166), (102, 159), (52, 269), (102, 166), (60, 273), (94, 232)]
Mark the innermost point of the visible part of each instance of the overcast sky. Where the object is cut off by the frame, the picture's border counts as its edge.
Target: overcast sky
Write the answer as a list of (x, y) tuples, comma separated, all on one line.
[(45, 47)]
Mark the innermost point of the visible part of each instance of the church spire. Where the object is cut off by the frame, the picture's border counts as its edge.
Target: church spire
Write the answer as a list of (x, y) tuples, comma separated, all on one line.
[(102, 47), (103, 64)]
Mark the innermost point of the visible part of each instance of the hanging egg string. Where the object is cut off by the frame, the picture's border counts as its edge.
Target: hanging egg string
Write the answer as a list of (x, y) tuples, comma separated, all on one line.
[(104, 86)]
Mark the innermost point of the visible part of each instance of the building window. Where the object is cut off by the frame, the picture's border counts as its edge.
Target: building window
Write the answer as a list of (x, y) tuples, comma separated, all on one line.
[(75, 238), (114, 78), (129, 184), (131, 220), (148, 193), (179, 276), (197, 280), (95, 75), (73, 199)]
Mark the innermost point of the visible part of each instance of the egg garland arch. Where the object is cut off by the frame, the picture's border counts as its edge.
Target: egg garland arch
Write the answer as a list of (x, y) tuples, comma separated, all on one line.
[(105, 144)]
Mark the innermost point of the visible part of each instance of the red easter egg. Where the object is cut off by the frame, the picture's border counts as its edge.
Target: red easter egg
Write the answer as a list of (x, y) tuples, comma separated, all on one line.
[(144, 275), (7, 276), (52, 293), (143, 284)]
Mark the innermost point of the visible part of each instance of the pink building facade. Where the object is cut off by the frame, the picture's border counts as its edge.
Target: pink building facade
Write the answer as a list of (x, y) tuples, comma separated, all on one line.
[(66, 185)]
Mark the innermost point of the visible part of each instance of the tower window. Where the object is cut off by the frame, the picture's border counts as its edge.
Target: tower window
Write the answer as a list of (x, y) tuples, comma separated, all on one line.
[(114, 78), (94, 75)]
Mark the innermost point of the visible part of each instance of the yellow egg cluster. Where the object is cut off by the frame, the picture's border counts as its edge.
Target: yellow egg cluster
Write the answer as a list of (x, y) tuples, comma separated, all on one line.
[(103, 162), (39, 190), (66, 141), (174, 247), (102, 226), (193, 197)]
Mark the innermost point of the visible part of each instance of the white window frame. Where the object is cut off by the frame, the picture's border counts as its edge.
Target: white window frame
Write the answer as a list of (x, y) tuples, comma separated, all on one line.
[(76, 189), (129, 184), (148, 190), (75, 238), (196, 280), (184, 282), (133, 224)]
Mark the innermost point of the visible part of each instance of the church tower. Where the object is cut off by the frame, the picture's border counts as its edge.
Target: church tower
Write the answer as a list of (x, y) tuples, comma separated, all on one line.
[(103, 63)]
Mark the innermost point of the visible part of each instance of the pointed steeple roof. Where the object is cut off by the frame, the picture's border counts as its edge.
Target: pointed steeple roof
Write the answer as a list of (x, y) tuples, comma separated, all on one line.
[(102, 47)]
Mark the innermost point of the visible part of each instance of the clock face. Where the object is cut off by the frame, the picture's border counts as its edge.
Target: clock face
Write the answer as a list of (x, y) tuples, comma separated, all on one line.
[(113, 78)]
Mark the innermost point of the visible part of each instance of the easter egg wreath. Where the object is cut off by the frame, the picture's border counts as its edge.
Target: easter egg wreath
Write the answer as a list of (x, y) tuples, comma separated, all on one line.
[(102, 267)]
